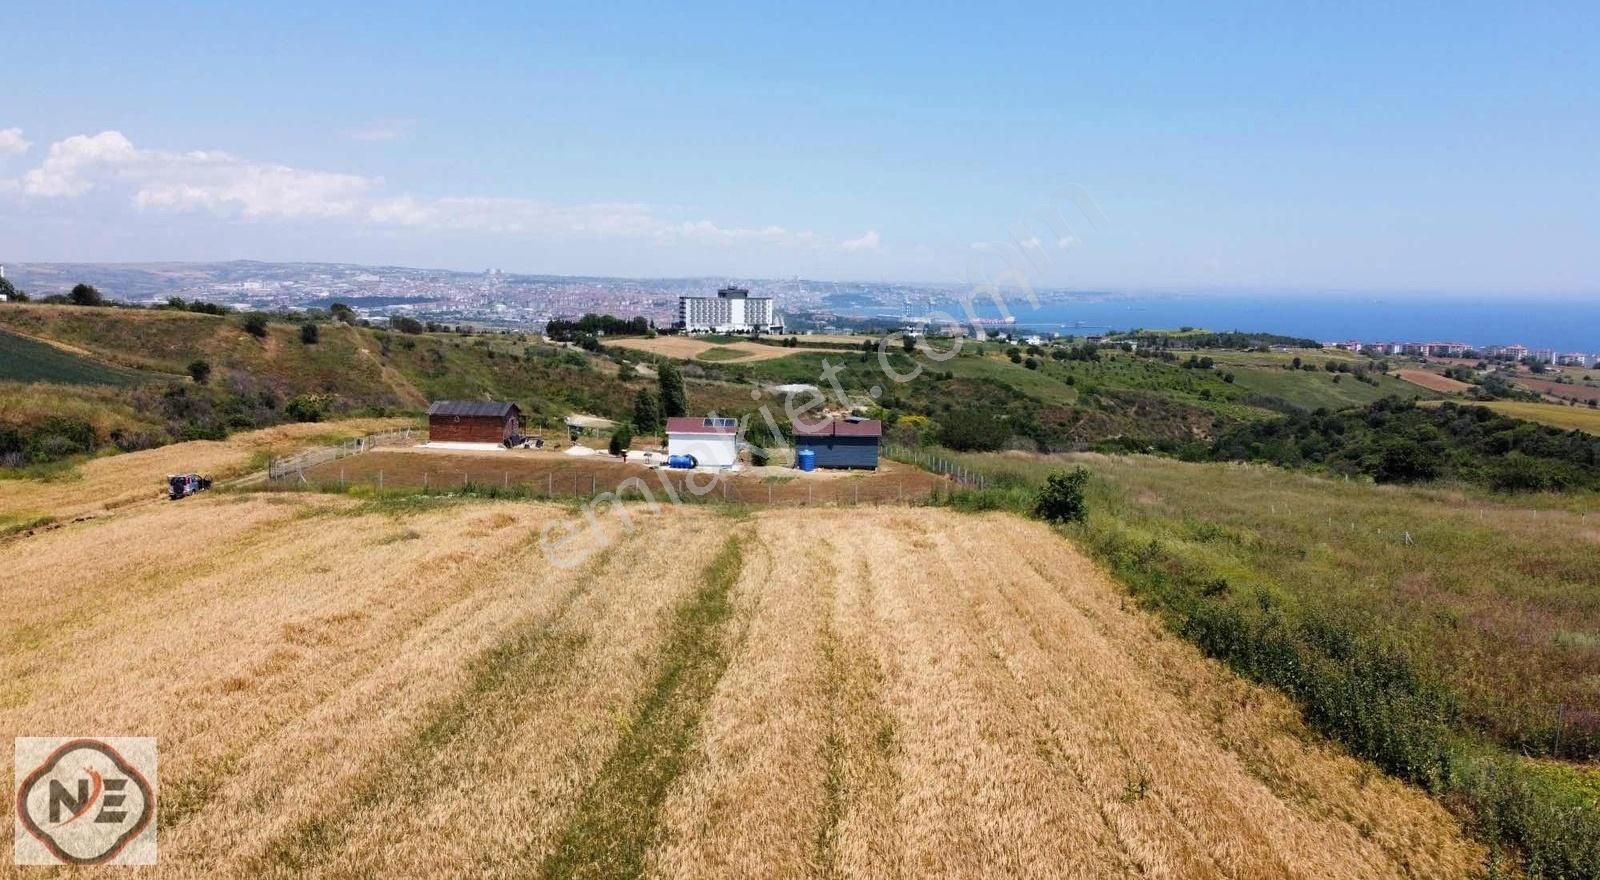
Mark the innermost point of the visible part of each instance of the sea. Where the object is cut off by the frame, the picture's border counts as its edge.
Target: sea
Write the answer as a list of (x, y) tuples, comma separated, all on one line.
[(1563, 324)]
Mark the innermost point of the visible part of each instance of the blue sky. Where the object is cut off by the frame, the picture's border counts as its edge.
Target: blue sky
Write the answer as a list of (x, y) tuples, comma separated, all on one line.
[(1447, 147)]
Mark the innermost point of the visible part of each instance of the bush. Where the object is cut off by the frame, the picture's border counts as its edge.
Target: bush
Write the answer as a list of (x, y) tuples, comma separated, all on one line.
[(309, 334), (256, 325), (199, 371), (305, 408), (1061, 499), (620, 438)]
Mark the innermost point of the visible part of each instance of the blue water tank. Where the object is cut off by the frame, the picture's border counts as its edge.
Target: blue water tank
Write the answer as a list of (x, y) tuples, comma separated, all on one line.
[(806, 459), (681, 462)]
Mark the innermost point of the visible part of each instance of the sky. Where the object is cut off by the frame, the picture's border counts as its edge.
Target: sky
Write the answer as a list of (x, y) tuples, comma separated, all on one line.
[(1448, 147)]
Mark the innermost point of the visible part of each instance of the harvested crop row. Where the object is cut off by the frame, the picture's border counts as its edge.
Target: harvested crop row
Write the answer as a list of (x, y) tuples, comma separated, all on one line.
[(349, 689)]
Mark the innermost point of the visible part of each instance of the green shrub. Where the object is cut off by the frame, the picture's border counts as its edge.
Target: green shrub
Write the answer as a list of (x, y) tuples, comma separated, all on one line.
[(305, 408), (1061, 499)]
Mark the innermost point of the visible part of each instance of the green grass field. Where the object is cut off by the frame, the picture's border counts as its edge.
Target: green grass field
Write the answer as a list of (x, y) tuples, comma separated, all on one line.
[(722, 353), (1309, 390), (24, 360), (1450, 636), (1489, 592)]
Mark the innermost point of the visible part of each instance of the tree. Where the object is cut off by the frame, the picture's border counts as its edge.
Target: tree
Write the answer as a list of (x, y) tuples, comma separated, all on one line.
[(256, 325), (309, 334), (10, 291), (407, 325), (973, 429), (199, 371), (85, 295), (908, 342), (646, 413), (626, 371), (674, 400), (620, 438), (1061, 499), (342, 313)]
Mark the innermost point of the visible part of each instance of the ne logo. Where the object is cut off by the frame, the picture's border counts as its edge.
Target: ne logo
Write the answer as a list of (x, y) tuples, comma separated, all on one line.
[(85, 801)]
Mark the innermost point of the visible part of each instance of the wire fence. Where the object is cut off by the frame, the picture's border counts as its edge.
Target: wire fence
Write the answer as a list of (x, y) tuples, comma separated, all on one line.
[(928, 461), (664, 486), (294, 466)]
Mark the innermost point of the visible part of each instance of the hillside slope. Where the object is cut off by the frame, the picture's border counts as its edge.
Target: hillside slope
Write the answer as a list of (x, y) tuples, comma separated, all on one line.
[(828, 693)]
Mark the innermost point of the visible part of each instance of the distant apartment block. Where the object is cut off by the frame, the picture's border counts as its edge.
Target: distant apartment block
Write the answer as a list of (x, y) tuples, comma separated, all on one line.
[(732, 310), (1545, 355)]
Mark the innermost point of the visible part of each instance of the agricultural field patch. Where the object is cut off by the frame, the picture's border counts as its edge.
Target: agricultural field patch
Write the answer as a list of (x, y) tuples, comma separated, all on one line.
[(28, 360), (116, 481), (1583, 418), (1433, 381), (707, 348), (704, 695)]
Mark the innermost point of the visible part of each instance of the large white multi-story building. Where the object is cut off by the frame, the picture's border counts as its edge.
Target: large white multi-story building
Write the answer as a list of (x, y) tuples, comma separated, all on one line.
[(732, 310)]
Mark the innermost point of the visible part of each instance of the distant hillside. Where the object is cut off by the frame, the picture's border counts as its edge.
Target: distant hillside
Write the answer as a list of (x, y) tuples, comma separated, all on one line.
[(136, 362)]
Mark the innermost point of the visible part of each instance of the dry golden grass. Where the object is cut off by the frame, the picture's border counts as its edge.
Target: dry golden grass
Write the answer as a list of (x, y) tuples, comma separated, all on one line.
[(1433, 381), (119, 480), (691, 347), (350, 690)]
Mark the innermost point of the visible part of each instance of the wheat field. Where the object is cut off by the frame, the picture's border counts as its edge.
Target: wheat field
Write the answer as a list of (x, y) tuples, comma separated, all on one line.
[(109, 482), (351, 689)]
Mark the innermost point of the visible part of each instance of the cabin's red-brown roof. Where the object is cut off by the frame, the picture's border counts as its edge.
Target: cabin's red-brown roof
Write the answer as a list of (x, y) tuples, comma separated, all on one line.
[(838, 428), (698, 425)]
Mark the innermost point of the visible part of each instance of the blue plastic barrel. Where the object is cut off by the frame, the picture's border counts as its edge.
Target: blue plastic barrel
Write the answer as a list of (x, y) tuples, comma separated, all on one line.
[(681, 462), (806, 459)]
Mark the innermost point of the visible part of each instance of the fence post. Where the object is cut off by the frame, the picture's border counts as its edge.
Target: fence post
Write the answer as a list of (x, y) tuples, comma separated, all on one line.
[(505, 482), (424, 481), (380, 481), (550, 485)]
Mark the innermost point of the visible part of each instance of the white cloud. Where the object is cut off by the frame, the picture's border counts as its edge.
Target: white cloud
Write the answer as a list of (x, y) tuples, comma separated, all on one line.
[(210, 181), (1067, 242), (227, 185), (867, 242), (12, 143), (384, 130)]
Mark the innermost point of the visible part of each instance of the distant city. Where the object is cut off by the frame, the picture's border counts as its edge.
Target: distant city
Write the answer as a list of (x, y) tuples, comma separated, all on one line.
[(1461, 350), (493, 299)]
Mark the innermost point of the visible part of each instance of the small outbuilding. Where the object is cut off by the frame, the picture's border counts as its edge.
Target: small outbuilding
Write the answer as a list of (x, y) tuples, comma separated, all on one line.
[(714, 442), (840, 443), (473, 421)]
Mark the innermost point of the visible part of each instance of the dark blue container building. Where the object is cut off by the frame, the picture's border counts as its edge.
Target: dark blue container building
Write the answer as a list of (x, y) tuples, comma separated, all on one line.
[(840, 443)]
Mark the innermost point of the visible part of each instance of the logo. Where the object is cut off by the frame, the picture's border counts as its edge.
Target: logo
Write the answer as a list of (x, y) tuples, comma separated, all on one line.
[(83, 801)]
